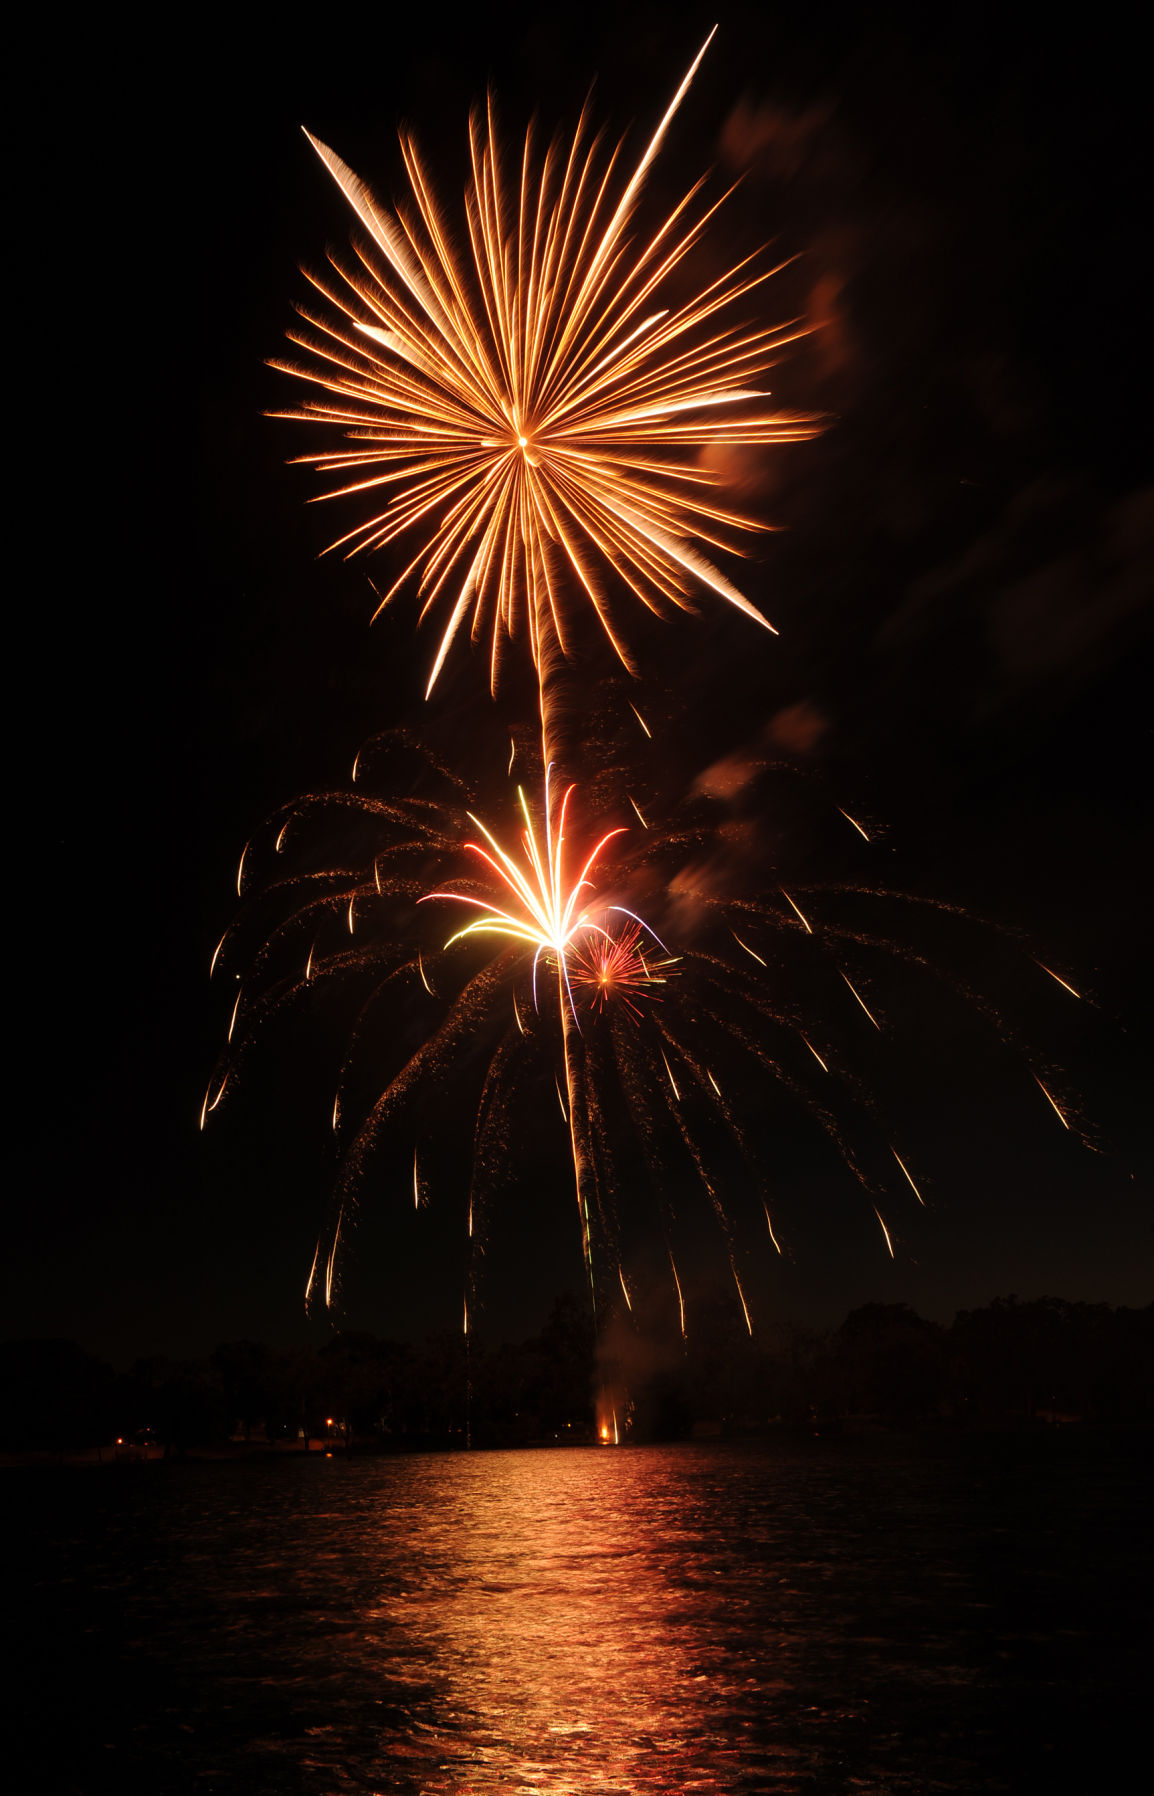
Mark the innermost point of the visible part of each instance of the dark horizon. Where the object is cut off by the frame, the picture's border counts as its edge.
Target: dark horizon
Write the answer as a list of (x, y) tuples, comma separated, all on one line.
[(657, 1332), (1005, 1365)]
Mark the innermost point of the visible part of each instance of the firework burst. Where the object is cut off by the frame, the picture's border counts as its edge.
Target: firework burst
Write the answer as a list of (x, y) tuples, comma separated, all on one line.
[(620, 961), (525, 400), (771, 1027)]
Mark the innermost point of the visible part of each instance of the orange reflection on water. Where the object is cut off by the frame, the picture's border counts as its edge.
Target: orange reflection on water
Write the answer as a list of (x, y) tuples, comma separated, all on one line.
[(572, 1631)]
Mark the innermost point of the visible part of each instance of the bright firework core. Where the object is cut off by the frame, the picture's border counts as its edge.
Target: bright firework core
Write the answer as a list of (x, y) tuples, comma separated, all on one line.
[(603, 953)]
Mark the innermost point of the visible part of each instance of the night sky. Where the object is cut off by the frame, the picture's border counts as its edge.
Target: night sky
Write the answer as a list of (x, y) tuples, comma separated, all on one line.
[(961, 578)]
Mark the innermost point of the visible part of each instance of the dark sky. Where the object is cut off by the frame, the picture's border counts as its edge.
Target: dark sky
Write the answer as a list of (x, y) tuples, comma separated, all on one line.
[(962, 581)]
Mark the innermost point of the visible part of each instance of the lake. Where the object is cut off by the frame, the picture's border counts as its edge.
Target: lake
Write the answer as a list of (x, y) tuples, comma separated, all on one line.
[(889, 1614)]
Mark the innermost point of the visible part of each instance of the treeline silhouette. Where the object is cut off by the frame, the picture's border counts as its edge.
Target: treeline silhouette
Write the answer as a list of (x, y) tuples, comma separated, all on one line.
[(1046, 1361)]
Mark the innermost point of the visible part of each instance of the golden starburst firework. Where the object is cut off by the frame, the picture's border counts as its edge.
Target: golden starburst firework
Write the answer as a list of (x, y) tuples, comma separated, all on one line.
[(527, 397)]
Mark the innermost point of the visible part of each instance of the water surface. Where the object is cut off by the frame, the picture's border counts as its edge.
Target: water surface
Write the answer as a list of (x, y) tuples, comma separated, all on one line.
[(815, 1616)]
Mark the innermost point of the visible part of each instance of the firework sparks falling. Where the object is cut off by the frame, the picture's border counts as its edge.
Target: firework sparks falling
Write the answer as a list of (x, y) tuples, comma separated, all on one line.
[(861, 1001), (680, 1295), (861, 832), (664, 1068), (1057, 978), (1055, 1107), (522, 401), (909, 1180), (794, 907), (885, 1232)]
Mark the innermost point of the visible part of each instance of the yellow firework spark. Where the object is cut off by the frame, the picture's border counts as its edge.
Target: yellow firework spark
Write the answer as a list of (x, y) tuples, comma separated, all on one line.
[(525, 398)]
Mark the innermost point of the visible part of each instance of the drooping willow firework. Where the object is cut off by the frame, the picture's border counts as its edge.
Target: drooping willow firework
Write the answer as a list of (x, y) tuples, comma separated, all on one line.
[(675, 1059), (529, 402)]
